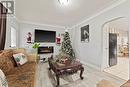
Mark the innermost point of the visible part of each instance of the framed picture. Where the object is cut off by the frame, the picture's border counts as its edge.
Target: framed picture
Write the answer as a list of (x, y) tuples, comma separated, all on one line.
[(85, 33)]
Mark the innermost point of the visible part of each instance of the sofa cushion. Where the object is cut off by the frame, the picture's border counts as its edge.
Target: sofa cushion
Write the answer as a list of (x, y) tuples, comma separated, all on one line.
[(21, 80), (8, 54), (6, 65), (32, 57), (105, 83), (23, 75), (5, 61), (19, 50), (28, 67)]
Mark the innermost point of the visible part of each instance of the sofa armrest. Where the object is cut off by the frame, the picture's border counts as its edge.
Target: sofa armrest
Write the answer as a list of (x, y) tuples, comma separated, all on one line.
[(105, 83), (32, 57)]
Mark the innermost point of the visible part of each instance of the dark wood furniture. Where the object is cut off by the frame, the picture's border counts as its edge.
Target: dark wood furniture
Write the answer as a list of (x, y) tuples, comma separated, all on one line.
[(68, 69)]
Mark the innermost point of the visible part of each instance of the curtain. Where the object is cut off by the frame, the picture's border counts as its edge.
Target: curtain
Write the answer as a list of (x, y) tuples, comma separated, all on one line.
[(3, 13)]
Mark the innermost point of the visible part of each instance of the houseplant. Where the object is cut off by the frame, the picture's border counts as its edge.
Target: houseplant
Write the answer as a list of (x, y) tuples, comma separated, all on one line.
[(35, 47)]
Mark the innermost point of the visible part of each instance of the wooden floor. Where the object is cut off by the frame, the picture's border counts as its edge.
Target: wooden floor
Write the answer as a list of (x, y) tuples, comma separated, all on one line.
[(46, 78), (120, 70)]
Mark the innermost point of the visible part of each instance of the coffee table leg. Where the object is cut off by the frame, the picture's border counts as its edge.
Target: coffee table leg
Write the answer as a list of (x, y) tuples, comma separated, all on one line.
[(58, 80), (81, 73), (49, 68)]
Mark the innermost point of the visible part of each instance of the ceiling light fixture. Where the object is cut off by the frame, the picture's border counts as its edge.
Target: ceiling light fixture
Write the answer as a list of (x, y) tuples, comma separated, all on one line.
[(63, 2)]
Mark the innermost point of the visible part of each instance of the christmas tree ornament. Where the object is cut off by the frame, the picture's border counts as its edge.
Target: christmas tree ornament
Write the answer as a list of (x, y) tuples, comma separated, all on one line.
[(29, 37), (58, 40)]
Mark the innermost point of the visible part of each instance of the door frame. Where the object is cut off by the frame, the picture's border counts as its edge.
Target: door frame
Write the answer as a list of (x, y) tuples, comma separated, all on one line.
[(105, 56)]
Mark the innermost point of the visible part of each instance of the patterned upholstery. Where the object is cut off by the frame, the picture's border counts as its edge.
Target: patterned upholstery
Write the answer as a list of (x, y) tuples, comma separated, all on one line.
[(6, 53), (22, 80), (3, 81), (5, 61), (22, 76), (29, 67)]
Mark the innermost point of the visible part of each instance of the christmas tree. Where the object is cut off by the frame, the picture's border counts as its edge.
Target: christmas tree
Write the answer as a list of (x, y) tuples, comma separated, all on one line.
[(66, 47)]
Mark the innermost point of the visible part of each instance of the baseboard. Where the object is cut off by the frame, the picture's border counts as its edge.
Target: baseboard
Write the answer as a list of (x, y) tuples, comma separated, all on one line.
[(91, 65)]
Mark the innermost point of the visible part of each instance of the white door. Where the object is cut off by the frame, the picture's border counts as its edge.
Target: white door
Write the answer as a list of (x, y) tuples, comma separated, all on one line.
[(105, 50)]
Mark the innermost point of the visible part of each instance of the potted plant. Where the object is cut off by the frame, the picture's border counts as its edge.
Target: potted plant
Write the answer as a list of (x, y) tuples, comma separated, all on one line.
[(35, 46)]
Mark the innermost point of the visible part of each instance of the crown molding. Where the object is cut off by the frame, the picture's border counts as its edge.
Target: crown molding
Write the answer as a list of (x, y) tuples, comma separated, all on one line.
[(40, 24), (119, 2), (34, 23)]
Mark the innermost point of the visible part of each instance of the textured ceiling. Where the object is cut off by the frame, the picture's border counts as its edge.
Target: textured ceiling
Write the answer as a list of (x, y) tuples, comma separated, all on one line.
[(52, 13)]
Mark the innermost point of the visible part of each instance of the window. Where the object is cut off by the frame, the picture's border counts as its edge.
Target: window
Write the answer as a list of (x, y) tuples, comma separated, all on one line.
[(13, 37)]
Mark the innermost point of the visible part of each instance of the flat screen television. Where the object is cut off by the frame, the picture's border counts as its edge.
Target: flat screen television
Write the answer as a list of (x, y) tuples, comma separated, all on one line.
[(45, 36)]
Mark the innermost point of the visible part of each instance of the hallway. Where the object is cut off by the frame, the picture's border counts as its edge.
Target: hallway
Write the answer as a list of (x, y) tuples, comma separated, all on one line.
[(121, 69)]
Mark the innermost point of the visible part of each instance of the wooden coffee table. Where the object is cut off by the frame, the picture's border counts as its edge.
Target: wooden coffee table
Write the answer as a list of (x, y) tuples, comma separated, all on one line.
[(66, 69)]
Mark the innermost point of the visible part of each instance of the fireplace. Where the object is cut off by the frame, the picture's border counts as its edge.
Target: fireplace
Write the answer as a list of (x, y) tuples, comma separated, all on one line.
[(45, 49), (45, 52)]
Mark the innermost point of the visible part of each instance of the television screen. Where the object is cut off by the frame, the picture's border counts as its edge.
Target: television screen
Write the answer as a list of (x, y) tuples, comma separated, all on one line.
[(45, 36)]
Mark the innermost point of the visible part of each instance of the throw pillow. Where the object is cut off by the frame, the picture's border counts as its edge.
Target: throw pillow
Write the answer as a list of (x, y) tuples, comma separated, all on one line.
[(20, 58), (3, 81)]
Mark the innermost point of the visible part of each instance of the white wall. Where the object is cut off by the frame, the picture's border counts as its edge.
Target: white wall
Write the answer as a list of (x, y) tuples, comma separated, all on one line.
[(11, 22), (28, 27), (91, 53)]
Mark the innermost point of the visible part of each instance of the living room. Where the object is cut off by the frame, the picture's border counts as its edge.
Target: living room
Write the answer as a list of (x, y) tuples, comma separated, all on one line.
[(43, 24)]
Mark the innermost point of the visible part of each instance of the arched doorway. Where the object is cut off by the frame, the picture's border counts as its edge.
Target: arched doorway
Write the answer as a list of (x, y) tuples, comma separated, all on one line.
[(116, 47)]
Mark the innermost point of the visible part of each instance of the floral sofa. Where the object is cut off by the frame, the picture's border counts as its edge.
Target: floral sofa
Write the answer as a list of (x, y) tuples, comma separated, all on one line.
[(18, 76)]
